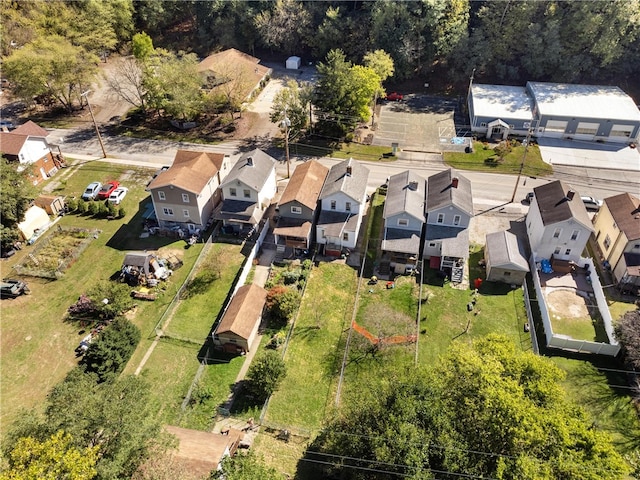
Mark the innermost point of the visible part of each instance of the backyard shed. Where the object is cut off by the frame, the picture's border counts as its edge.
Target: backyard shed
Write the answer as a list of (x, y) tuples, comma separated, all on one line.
[(505, 258), (35, 219), (53, 204), (293, 63), (239, 325)]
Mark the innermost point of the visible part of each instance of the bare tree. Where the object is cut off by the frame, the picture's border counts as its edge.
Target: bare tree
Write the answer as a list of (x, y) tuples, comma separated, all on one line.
[(126, 82), (628, 334)]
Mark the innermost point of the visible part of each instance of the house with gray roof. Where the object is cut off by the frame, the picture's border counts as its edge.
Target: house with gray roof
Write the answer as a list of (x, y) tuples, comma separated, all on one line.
[(601, 113), (342, 203), (505, 258), (449, 210), (247, 190), (404, 217), (558, 224)]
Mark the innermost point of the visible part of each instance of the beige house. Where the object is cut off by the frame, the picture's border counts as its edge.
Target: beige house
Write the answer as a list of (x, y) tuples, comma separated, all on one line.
[(239, 325), (505, 258), (186, 194), (617, 230)]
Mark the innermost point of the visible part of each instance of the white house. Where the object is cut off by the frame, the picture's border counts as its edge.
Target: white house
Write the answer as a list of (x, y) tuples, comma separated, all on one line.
[(186, 194), (557, 223), (449, 211), (342, 203), (404, 217), (247, 190)]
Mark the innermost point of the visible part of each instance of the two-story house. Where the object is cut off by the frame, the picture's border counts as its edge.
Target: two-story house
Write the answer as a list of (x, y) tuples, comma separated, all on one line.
[(186, 194), (617, 229), (247, 191), (27, 145), (558, 225), (449, 211), (342, 204), (298, 205), (404, 218)]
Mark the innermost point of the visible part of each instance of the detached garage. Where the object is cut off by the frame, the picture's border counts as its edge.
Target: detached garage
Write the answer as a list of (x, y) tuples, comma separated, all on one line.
[(505, 259)]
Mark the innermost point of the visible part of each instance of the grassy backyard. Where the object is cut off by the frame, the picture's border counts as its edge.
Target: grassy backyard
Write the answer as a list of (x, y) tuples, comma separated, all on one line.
[(483, 158)]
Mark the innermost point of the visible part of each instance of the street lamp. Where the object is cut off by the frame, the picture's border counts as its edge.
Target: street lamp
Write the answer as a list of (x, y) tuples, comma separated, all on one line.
[(285, 124), (84, 94)]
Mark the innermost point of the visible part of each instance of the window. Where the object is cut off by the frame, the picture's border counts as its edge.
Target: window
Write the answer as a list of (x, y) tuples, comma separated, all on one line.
[(345, 236), (403, 222), (333, 204), (432, 244), (621, 133), (322, 234), (232, 192), (575, 234), (456, 219), (483, 124), (607, 242), (185, 213), (162, 196), (440, 218), (347, 206), (556, 251), (296, 210), (636, 246), (567, 251), (507, 274), (557, 232), (512, 126), (168, 211), (247, 193), (185, 197)]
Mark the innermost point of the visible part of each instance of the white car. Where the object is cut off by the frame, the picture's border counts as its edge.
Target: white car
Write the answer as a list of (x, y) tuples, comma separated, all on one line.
[(118, 195), (591, 203)]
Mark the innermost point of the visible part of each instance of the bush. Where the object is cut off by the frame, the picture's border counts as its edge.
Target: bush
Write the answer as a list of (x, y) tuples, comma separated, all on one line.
[(265, 375), (93, 208), (276, 341), (121, 212), (282, 303), (81, 206), (72, 204), (290, 277)]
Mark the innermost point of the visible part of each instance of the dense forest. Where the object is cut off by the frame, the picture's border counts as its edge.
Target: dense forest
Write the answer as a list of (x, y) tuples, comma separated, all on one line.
[(503, 41)]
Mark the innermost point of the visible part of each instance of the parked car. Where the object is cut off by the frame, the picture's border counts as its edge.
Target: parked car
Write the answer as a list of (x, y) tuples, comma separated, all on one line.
[(529, 198), (394, 96), (6, 124), (591, 203), (91, 191), (13, 288), (118, 195), (107, 189)]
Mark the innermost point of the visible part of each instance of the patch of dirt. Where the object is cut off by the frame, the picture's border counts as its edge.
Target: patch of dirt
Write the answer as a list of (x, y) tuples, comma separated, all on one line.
[(567, 303)]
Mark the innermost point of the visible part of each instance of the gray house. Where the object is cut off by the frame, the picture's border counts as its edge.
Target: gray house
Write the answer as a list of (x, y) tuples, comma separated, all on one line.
[(555, 110), (298, 205), (404, 218), (449, 211), (505, 258)]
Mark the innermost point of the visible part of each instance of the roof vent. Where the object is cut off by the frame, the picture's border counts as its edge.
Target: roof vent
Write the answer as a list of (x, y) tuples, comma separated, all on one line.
[(454, 182), (250, 161), (570, 195), (349, 170), (413, 185)]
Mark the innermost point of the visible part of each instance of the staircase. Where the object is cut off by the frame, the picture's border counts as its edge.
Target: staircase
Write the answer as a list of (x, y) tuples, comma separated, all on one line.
[(457, 274)]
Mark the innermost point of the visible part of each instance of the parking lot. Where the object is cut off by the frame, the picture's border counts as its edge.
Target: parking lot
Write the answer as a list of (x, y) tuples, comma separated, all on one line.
[(418, 122)]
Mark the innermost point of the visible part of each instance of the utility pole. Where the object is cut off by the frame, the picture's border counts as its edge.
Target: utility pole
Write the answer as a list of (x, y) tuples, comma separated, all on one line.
[(524, 155), (95, 124), (286, 125)]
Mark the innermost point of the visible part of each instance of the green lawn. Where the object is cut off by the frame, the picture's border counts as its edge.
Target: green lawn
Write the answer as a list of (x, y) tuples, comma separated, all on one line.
[(483, 158), (317, 147)]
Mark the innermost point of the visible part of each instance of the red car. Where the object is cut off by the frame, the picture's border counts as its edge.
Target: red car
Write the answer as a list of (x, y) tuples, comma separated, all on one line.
[(394, 96), (107, 189)]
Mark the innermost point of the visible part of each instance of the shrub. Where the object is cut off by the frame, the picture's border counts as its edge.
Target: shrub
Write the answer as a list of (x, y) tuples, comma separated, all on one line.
[(93, 208), (81, 206), (290, 277), (121, 212), (265, 375), (282, 303), (276, 341), (72, 204)]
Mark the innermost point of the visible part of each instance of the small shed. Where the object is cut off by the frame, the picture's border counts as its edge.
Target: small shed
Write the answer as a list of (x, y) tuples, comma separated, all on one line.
[(53, 204), (293, 63), (239, 325), (35, 219), (505, 258)]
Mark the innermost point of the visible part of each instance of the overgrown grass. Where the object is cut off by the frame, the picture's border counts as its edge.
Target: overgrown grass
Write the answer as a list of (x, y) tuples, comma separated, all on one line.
[(484, 159), (320, 147), (372, 240)]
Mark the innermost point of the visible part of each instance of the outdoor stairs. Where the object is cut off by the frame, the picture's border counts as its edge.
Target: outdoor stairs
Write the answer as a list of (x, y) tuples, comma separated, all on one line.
[(384, 269), (280, 252), (457, 274)]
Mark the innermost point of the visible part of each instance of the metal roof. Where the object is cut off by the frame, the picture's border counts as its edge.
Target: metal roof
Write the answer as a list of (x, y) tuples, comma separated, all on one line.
[(501, 101)]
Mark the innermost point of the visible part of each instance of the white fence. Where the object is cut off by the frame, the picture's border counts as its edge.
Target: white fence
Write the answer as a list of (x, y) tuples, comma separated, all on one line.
[(565, 342)]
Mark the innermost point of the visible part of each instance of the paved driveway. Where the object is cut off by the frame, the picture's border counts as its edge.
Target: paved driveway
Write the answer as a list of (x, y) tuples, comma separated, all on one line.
[(419, 122), (575, 153)]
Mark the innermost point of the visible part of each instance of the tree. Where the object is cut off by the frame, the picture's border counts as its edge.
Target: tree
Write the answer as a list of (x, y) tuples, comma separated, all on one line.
[(16, 195), (285, 27), (282, 302), (109, 353), (127, 82), (484, 410), (627, 331), (380, 62), (265, 375), (118, 296), (55, 458), (52, 67), (141, 46), (245, 466), (293, 101)]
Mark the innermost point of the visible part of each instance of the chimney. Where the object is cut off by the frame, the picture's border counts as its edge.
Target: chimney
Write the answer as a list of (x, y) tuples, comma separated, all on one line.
[(250, 161), (454, 182), (570, 195), (413, 185), (349, 170)]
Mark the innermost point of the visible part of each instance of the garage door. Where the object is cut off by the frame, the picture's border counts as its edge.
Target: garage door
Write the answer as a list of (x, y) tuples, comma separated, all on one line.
[(620, 133), (586, 131), (554, 129)]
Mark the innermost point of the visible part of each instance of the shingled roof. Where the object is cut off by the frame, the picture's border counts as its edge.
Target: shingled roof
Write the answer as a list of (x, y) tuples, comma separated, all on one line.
[(243, 311), (442, 192), (556, 204), (30, 128), (253, 169), (190, 171), (406, 193), (305, 184), (349, 177), (625, 210), (11, 143)]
